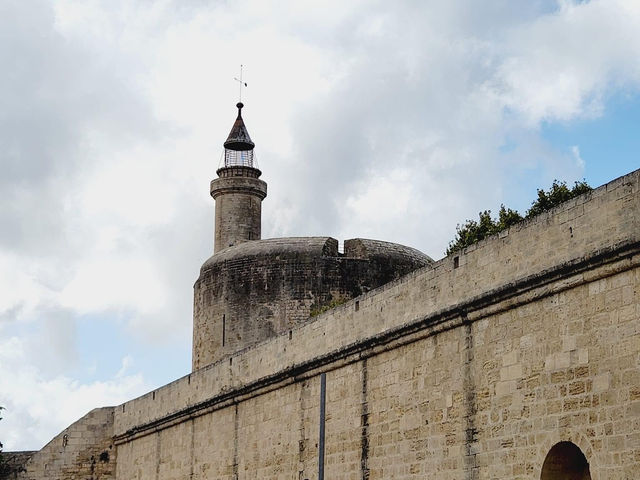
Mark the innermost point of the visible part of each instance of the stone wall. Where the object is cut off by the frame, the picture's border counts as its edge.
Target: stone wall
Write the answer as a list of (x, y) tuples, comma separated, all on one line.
[(471, 368), (84, 450), (12, 464), (491, 397), (256, 290), (238, 193)]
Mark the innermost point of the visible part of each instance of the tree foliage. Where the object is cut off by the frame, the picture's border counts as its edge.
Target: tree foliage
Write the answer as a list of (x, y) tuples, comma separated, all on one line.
[(473, 231), (557, 194)]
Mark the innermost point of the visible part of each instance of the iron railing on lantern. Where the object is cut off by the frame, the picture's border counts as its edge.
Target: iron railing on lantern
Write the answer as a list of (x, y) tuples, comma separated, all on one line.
[(238, 158)]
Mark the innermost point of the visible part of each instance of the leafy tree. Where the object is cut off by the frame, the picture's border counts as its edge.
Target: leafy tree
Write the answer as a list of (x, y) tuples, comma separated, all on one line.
[(473, 231), (506, 218), (557, 194)]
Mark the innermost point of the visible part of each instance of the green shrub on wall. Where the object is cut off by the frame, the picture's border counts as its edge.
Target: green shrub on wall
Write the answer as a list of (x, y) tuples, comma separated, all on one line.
[(473, 231), (317, 309)]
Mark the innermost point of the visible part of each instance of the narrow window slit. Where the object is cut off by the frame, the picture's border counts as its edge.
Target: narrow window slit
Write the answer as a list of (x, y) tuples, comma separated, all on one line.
[(224, 328)]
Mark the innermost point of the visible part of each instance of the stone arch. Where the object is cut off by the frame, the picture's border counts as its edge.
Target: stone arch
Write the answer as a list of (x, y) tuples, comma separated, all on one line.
[(577, 437), (565, 461)]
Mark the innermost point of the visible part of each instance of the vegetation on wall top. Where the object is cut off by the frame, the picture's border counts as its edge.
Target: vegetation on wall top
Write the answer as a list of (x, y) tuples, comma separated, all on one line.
[(318, 309), (473, 231)]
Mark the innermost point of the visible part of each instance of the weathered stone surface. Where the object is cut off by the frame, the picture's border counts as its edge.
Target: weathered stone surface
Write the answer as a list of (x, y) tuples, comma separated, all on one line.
[(12, 464), (256, 290), (84, 450), (238, 193)]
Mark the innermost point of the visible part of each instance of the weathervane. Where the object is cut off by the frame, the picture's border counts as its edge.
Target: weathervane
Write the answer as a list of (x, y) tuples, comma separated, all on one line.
[(241, 83)]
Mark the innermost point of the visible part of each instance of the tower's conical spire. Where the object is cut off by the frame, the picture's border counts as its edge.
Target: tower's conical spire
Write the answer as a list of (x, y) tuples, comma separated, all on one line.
[(239, 138), (238, 148)]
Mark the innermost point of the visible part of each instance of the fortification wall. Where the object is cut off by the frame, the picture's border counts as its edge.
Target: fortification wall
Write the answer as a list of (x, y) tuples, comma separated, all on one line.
[(493, 396), (256, 290), (553, 245), (82, 450), (12, 464), (472, 368)]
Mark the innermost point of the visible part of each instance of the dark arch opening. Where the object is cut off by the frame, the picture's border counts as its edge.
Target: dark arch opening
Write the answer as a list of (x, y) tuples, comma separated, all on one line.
[(565, 461)]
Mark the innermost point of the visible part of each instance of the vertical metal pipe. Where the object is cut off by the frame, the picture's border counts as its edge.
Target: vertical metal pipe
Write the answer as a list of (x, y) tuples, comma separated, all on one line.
[(323, 396)]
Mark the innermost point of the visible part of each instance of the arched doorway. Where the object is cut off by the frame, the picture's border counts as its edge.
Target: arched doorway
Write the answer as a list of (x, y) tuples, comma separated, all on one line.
[(565, 461)]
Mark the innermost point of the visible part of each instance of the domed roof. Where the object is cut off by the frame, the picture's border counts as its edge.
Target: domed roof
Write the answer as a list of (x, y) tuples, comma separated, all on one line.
[(271, 247), (315, 247)]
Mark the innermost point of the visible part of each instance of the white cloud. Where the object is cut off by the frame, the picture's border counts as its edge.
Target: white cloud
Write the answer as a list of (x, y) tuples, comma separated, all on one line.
[(127, 283), (127, 362), (38, 407), (575, 150), (560, 66), (19, 284)]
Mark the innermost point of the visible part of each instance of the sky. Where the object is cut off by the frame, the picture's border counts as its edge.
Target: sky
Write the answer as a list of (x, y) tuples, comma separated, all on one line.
[(387, 120)]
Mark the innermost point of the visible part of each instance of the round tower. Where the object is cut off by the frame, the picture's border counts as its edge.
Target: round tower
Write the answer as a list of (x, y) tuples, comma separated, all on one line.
[(238, 190), (250, 289)]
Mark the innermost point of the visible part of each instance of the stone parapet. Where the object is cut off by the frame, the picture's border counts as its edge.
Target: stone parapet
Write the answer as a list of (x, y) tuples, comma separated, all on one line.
[(581, 242), (240, 184)]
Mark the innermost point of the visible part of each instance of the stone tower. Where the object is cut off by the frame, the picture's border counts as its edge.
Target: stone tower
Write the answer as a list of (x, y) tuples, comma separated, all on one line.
[(238, 190), (253, 289)]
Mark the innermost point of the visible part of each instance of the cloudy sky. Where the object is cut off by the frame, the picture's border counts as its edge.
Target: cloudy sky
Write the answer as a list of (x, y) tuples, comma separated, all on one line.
[(389, 120)]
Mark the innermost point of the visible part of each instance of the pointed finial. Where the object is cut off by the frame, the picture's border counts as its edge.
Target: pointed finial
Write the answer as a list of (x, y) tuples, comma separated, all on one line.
[(239, 139), (241, 85)]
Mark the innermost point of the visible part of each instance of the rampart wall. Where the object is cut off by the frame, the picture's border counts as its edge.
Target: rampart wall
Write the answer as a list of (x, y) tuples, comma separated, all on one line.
[(12, 464), (83, 450), (473, 367)]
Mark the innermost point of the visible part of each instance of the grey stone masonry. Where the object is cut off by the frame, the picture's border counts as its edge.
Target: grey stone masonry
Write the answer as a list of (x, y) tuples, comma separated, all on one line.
[(238, 193), (83, 450), (12, 464), (255, 290)]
